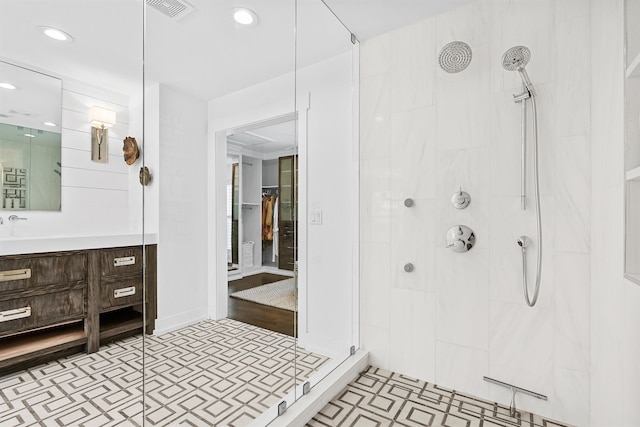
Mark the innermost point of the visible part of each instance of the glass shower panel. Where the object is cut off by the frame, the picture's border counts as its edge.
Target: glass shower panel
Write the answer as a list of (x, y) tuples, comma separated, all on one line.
[(219, 120), (71, 236), (326, 102)]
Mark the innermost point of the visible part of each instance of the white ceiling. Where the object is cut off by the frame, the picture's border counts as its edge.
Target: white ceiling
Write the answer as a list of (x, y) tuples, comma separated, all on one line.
[(268, 139), (368, 18), (205, 53)]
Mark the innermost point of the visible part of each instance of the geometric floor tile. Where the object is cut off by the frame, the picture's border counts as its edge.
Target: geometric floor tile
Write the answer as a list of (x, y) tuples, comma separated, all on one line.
[(222, 373), (382, 398)]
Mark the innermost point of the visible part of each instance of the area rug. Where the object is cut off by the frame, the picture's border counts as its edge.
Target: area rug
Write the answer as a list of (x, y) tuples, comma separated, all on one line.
[(279, 294)]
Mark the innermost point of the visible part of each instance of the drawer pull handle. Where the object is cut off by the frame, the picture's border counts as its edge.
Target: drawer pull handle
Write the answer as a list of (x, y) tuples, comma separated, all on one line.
[(17, 313), (124, 292), (127, 260), (7, 276)]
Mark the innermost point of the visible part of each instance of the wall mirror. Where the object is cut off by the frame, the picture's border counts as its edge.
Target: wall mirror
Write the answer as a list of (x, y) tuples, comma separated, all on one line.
[(30, 139)]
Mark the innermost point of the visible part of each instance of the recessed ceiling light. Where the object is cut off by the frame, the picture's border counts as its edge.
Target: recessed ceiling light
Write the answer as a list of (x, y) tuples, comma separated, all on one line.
[(29, 135), (245, 16), (56, 34), (6, 85), (50, 124)]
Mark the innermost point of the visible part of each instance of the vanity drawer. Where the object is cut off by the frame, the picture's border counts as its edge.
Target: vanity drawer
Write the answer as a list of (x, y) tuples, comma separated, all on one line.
[(19, 272), (121, 293), (121, 261), (41, 310)]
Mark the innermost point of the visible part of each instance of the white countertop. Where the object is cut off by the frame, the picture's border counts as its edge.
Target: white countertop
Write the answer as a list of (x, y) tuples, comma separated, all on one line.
[(41, 244)]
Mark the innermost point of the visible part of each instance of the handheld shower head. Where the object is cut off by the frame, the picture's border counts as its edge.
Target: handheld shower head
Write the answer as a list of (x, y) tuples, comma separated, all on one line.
[(515, 59)]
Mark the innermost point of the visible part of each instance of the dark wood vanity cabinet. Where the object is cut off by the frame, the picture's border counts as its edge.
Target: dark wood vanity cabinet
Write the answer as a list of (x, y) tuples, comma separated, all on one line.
[(55, 304)]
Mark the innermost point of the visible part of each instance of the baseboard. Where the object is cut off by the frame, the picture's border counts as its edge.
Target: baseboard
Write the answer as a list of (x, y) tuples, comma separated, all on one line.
[(322, 393), (178, 321), (260, 270)]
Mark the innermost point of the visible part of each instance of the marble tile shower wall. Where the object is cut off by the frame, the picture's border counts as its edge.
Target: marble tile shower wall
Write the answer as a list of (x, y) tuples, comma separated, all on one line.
[(424, 134)]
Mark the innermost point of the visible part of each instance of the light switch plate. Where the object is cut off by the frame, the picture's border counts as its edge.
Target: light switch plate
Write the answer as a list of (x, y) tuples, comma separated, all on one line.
[(316, 217)]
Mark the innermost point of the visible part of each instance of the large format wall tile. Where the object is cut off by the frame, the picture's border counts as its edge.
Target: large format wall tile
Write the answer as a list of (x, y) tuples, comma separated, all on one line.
[(575, 384), (573, 206), (413, 349), (412, 67), (462, 297), (461, 368), (413, 160), (430, 133), (414, 240), (521, 352), (374, 285)]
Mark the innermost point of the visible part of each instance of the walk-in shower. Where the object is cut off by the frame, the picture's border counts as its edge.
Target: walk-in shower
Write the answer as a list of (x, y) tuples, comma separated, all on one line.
[(515, 59)]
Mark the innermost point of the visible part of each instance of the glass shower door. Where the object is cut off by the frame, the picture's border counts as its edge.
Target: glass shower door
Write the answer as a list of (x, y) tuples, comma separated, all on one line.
[(218, 355), (326, 102), (71, 263)]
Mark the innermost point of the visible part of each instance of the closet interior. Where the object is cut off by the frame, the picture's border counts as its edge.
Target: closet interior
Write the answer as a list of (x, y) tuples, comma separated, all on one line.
[(261, 202)]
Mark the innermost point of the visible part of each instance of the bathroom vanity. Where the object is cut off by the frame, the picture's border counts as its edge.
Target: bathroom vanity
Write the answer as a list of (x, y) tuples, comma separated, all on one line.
[(57, 303)]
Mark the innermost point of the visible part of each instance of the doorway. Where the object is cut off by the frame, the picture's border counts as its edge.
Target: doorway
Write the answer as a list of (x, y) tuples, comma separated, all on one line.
[(262, 224)]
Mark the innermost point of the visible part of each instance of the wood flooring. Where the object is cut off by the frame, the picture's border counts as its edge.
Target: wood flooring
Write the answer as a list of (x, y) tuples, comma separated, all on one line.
[(271, 318)]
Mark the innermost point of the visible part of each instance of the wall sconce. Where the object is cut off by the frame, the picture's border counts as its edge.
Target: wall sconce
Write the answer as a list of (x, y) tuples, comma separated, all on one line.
[(100, 119)]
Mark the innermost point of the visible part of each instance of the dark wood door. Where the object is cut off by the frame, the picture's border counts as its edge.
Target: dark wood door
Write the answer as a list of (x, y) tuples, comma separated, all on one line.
[(287, 212)]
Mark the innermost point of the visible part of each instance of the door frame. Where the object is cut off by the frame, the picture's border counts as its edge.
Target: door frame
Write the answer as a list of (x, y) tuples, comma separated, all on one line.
[(217, 153)]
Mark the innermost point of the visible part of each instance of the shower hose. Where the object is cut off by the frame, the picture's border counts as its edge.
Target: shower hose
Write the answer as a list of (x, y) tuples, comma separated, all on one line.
[(532, 301)]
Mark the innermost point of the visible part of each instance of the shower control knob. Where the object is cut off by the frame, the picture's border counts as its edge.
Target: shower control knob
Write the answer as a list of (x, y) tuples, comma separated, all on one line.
[(408, 202), (460, 238), (408, 267), (460, 199)]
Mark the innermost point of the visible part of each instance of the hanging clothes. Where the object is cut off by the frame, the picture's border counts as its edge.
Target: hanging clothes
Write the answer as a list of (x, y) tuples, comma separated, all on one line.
[(267, 216)]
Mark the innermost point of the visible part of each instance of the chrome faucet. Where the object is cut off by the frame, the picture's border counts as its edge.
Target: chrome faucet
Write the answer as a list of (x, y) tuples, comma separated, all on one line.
[(15, 218)]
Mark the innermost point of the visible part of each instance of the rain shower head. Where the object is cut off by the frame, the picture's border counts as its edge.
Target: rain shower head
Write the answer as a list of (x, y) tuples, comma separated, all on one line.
[(455, 57), (515, 59)]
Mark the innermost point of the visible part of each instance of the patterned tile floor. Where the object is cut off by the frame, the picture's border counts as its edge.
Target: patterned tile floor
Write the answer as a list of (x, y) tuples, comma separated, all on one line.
[(222, 373), (383, 398)]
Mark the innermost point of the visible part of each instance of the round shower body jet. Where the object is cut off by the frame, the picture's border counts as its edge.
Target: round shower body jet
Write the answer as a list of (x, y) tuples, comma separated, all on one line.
[(515, 59)]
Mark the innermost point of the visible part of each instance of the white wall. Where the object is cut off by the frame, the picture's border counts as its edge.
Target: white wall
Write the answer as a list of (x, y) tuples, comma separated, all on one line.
[(424, 134), (615, 322), (273, 98), (182, 181), (326, 302), (327, 163), (96, 197)]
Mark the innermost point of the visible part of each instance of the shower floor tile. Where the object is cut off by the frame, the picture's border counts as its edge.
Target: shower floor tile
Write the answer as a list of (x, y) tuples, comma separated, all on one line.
[(213, 373), (382, 398)]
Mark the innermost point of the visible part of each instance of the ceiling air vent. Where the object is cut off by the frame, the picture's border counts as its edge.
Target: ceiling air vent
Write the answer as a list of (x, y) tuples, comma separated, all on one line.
[(174, 9)]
